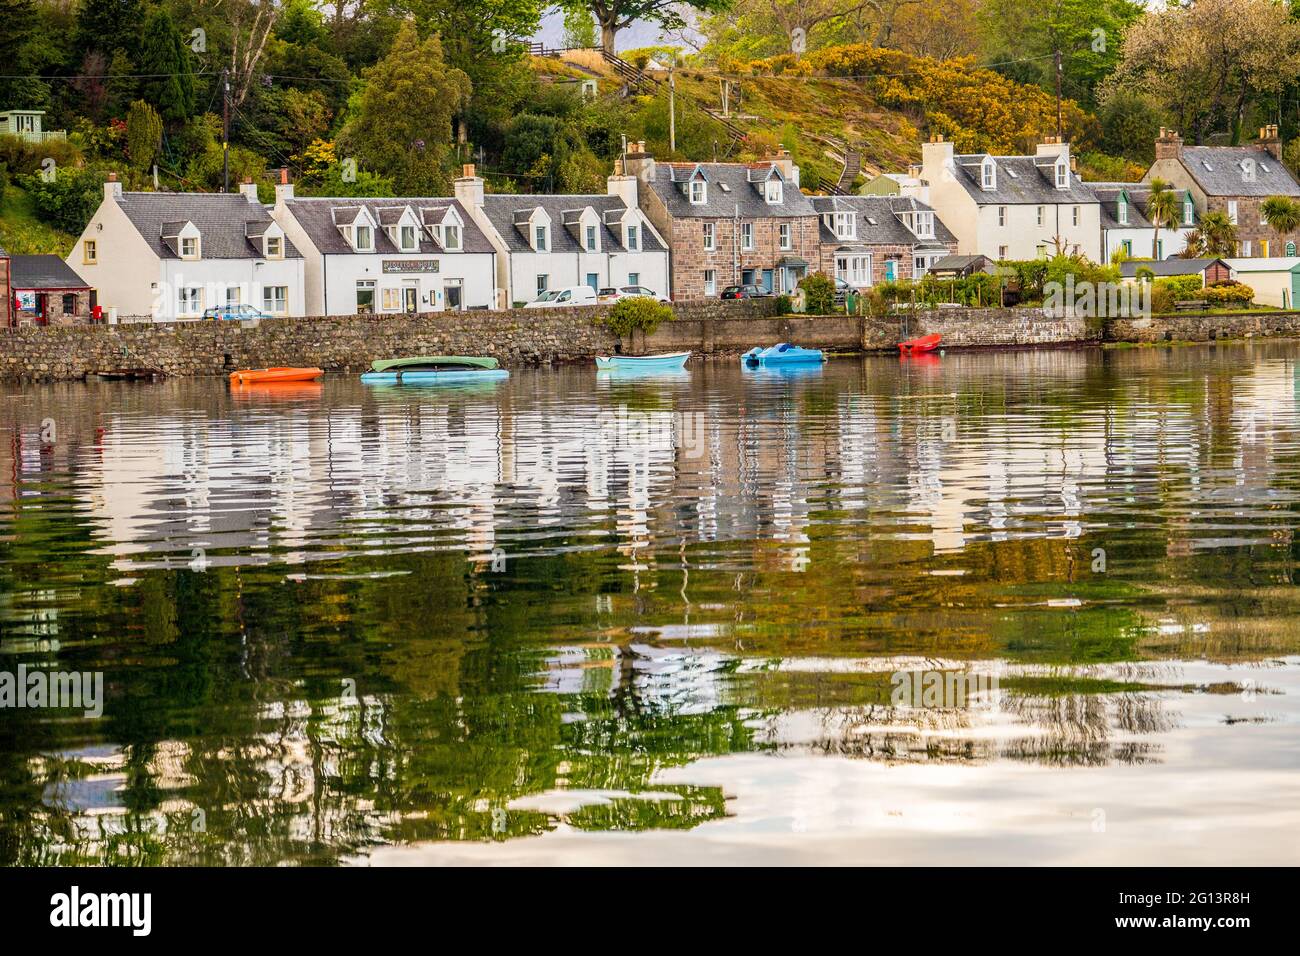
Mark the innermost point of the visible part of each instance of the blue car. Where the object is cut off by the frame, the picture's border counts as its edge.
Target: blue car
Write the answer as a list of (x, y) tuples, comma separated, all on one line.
[(235, 312)]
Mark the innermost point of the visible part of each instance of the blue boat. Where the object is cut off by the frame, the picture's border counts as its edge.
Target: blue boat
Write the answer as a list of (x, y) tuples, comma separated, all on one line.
[(434, 370), (783, 354), (667, 362)]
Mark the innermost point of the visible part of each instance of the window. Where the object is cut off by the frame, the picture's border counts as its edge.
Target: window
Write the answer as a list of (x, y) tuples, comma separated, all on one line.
[(924, 225), (988, 175), (1127, 246), (785, 235), (392, 299), (855, 270), (274, 247), (1041, 215), (1074, 215), (365, 296), (89, 252), (772, 191), (1002, 252), (1062, 176), (1245, 247), (364, 239), (1263, 248), (710, 241), (232, 296), (275, 299), (1232, 211), (69, 303), (451, 236), (542, 282), (634, 278), (699, 192), (1002, 215), (1263, 220), (846, 225), (1160, 248), (633, 238), (1122, 212), (710, 282), (539, 238), (189, 301), (591, 238), (1189, 212), (408, 238), (1290, 248), (1041, 250), (189, 247), (747, 235)]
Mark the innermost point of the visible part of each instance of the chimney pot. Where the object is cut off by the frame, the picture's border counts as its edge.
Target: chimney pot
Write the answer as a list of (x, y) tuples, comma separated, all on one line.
[(112, 177), (467, 171), (284, 175)]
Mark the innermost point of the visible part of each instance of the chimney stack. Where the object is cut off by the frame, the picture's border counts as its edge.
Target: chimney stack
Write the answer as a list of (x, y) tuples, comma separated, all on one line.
[(1269, 139), (249, 189), (638, 162), (112, 188), (469, 188), (284, 189), (1169, 145)]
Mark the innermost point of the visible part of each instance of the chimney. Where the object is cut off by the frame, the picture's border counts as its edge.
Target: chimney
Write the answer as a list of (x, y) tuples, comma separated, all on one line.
[(249, 189), (638, 162), (284, 189), (785, 162), (936, 156), (469, 188), (112, 188), (1269, 139), (1169, 145), (1052, 146), (623, 185)]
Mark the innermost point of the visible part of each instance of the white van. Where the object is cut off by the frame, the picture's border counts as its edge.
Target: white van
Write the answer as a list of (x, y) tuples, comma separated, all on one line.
[(559, 298)]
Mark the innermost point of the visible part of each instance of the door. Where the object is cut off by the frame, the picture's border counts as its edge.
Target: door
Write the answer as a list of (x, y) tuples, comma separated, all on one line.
[(593, 280), (891, 270), (767, 279), (410, 298), (453, 295)]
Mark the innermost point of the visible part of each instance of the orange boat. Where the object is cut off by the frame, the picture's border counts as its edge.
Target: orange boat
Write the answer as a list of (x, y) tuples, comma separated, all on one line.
[(279, 374), (926, 343)]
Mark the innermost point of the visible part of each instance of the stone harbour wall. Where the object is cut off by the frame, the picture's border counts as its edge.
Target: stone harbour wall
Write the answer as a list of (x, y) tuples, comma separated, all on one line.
[(1204, 328)]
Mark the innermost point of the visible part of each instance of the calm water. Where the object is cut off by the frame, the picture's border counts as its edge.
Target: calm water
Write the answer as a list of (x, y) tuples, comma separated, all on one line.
[(581, 619)]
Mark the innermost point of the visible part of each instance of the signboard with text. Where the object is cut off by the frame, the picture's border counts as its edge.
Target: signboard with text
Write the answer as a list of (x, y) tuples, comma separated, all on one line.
[(394, 266)]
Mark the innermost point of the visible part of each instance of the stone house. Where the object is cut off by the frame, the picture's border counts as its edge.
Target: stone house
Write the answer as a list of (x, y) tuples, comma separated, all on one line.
[(1234, 180), (45, 290), (870, 239), (1010, 207), (729, 223), (169, 256)]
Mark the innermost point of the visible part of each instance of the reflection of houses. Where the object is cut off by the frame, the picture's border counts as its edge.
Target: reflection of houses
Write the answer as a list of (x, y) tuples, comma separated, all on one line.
[(45, 290)]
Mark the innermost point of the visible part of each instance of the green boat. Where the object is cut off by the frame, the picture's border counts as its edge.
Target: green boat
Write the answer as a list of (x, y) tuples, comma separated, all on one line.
[(432, 369)]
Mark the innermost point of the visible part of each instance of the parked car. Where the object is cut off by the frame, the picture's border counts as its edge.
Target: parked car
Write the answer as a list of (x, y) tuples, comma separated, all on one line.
[(842, 290), (640, 291), (744, 292), (607, 295), (235, 313), (568, 296)]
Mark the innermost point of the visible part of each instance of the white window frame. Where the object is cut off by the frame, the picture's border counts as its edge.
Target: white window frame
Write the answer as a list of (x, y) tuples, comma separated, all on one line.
[(1042, 214), (633, 241), (541, 238), (772, 191), (710, 237), (710, 281), (269, 296), (1062, 176), (1121, 212), (1002, 215), (699, 192), (855, 268), (747, 236), (543, 284), (1189, 212), (185, 244), (923, 223), (846, 225), (1074, 215), (368, 232), (1003, 252), (187, 294), (592, 239), (451, 236), (988, 175), (785, 236), (402, 233), (1232, 211)]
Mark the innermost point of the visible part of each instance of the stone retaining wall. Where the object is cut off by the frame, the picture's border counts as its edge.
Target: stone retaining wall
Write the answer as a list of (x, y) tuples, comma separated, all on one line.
[(1203, 328)]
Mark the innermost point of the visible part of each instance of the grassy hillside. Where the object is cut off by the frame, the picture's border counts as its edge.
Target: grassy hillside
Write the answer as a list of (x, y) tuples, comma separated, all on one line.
[(21, 231)]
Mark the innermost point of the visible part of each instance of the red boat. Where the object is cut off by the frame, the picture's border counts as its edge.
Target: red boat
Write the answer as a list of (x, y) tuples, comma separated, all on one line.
[(926, 343)]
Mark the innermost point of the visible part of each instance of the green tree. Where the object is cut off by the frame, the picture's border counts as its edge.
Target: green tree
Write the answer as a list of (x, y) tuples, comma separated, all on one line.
[(109, 25), (1282, 213), (613, 15), (1163, 207), (579, 29), (144, 129), (166, 65), (1215, 236), (403, 126)]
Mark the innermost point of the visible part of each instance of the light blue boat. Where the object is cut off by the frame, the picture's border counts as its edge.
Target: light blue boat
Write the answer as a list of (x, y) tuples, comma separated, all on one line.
[(783, 354), (434, 370), (667, 362)]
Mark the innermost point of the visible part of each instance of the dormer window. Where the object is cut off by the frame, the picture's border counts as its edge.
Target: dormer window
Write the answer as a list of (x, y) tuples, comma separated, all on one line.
[(699, 192), (541, 238), (772, 191), (274, 247), (451, 237), (592, 244), (923, 225), (1121, 212), (988, 174), (633, 238), (189, 247), (1189, 212), (1062, 176), (363, 238), (407, 241), (845, 225)]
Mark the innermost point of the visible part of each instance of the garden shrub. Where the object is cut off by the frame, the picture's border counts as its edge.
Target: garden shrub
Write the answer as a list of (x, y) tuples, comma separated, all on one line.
[(1229, 293), (819, 288), (641, 312)]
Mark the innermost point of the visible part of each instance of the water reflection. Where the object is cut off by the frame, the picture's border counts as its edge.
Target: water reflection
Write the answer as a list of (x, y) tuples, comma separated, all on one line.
[(338, 621)]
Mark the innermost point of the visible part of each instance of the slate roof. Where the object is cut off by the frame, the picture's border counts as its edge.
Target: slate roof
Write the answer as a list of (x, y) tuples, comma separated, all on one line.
[(316, 216), (1168, 267), (1108, 195), (1021, 180), (221, 218), (730, 185), (879, 221), (1221, 171), (963, 264), (43, 272), (508, 210)]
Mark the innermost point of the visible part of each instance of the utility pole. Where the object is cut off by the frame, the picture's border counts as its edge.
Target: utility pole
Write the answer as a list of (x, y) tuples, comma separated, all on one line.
[(672, 104), (225, 131), (1059, 131)]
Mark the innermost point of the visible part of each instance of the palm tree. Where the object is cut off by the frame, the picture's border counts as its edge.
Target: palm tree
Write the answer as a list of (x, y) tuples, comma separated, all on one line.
[(1162, 209), (1282, 213), (1219, 234)]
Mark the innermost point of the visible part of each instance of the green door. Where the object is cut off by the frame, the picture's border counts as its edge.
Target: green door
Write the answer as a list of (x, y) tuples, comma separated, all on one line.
[(1295, 289)]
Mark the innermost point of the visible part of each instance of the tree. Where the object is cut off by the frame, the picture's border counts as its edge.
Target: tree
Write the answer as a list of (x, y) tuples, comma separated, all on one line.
[(1163, 206), (168, 81), (1215, 236), (251, 25), (1205, 63), (579, 29), (1282, 213), (613, 15), (144, 129), (108, 25), (403, 127)]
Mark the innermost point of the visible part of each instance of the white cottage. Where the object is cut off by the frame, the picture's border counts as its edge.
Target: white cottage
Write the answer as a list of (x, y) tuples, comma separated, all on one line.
[(403, 255), (171, 256)]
